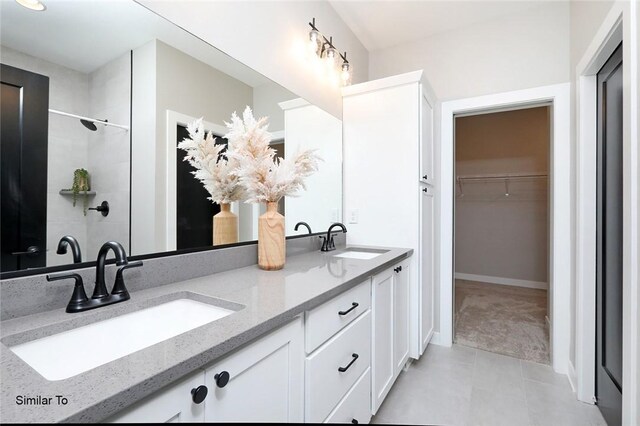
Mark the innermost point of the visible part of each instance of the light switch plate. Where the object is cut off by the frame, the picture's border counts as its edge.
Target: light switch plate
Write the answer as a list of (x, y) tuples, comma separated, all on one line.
[(353, 215)]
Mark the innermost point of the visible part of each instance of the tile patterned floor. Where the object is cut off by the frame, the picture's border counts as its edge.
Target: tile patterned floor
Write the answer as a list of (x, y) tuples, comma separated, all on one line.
[(466, 386)]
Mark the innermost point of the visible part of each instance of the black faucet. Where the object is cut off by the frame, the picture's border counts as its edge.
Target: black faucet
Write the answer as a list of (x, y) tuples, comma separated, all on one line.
[(327, 242), (303, 224), (66, 241), (100, 290), (79, 301)]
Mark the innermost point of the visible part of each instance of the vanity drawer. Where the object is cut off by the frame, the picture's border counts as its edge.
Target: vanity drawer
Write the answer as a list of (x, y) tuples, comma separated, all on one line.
[(327, 319), (356, 404), (326, 384)]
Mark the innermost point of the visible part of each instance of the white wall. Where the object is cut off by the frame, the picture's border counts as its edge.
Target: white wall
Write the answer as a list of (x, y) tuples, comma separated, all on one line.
[(498, 236), (309, 127), (269, 36), (265, 104), (510, 53), (168, 79)]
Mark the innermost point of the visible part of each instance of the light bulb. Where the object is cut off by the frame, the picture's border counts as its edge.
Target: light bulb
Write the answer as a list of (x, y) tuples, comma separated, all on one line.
[(330, 56), (314, 41), (345, 74)]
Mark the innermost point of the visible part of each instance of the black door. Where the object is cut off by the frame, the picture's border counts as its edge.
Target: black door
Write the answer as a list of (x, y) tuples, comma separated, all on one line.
[(609, 241), (24, 124), (194, 210)]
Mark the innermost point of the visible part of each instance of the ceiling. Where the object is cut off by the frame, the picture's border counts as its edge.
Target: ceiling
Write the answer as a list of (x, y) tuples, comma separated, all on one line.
[(381, 24), (85, 35)]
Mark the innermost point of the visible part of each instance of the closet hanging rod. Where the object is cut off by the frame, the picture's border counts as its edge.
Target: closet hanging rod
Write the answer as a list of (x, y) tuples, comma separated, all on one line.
[(93, 120), (502, 177)]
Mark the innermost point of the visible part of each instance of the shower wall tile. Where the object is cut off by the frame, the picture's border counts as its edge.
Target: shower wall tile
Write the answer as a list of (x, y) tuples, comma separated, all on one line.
[(109, 152)]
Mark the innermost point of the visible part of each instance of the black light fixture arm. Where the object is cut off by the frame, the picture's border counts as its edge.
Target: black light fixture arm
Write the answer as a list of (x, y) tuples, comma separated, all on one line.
[(312, 24)]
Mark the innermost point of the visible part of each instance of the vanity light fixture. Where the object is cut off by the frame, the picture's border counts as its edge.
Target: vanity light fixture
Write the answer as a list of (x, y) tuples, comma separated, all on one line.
[(36, 5), (325, 50)]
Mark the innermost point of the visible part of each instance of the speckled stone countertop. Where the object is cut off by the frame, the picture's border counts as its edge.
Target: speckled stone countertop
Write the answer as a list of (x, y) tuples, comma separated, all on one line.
[(270, 299)]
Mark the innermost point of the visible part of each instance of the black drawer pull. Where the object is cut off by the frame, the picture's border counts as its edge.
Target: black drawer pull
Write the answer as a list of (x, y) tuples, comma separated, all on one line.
[(343, 369), (222, 379), (199, 394), (353, 306)]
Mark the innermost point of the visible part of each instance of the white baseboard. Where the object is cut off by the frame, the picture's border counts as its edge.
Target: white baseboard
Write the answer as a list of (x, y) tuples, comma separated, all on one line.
[(503, 281), (436, 340), (573, 380)]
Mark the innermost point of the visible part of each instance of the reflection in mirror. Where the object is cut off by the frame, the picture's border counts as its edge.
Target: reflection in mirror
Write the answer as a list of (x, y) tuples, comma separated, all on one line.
[(108, 90)]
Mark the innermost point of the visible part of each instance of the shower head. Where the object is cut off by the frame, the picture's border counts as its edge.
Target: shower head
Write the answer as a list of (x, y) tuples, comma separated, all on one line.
[(90, 124)]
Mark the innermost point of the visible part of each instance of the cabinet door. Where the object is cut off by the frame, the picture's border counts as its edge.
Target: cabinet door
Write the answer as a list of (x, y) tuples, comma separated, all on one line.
[(173, 404), (401, 316), (382, 353), (427, 270), (265, 380), (426, 143)]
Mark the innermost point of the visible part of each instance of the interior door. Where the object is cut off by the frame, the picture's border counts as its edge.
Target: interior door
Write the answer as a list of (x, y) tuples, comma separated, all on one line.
[(609, 241), (24, 125)]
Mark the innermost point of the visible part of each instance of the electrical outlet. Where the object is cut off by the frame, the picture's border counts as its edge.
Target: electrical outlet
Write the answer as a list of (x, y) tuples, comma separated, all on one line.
[(353, 216)]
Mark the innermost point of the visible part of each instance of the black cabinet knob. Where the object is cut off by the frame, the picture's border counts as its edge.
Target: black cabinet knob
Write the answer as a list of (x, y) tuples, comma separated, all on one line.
[(222, 379), (354, 421), (400, 267), (425, 177), (425, 190), (199, 394)]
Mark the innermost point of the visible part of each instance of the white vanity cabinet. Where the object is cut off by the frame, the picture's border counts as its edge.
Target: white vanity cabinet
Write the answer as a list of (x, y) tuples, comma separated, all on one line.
[(390, 340), (261, 382), (337, 366), (173, 404)]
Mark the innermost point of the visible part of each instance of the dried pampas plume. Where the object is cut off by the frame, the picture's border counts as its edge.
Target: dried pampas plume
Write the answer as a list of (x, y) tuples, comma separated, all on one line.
[(213, 170), (264, 177)]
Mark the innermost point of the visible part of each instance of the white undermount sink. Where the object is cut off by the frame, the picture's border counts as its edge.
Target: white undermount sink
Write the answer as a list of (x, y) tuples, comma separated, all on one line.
[(72, 352), (360, 254)]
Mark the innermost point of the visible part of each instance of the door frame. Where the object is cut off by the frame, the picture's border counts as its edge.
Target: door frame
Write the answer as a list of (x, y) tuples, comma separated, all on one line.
[(558, 96), (621, 23)]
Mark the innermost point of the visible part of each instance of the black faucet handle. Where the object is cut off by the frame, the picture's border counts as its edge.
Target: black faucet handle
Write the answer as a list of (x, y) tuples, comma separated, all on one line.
[(79, 297), (64, 276), (119, 286)]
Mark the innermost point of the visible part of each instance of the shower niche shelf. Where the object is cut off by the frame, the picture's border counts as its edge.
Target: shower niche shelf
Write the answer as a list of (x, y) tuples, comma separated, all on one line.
[(70, 192)]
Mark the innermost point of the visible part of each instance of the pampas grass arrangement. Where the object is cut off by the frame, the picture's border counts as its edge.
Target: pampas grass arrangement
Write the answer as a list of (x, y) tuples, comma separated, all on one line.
[(249, 170), (264, 177)]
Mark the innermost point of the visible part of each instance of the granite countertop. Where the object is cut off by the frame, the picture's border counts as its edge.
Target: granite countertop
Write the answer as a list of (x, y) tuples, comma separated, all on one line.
[(270, 299)]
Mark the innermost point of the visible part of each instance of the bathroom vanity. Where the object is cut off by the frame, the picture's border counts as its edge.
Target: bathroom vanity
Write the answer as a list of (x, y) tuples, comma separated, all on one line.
[(321, 340)]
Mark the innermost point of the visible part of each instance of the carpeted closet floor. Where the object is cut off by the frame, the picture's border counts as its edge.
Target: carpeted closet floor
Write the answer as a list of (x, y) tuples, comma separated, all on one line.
[(502, 319)]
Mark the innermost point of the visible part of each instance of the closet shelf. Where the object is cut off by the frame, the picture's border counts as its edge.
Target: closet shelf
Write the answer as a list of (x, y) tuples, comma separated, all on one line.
[(505, 177), (70, 192)]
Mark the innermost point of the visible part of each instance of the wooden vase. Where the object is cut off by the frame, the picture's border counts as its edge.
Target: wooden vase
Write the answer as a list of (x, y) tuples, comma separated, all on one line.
[(271, 242), (225, 226)]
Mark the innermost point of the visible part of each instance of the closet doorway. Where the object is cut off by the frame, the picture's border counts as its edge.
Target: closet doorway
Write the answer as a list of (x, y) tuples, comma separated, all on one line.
[(501, 231)]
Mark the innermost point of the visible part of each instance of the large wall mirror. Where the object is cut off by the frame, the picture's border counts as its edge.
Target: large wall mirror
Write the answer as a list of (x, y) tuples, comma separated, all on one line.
[(98, 95)]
